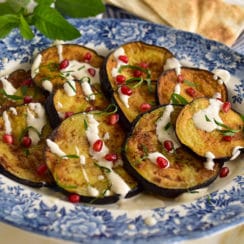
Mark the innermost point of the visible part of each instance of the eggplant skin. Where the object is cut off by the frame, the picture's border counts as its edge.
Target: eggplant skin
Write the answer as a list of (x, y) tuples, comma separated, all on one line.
[(73, 177), (138, 53), (186, 171), (201, 142), (19, 163), (201, 81)]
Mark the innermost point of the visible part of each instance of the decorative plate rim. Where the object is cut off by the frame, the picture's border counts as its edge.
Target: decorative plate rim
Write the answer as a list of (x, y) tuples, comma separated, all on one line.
[(30, 210)]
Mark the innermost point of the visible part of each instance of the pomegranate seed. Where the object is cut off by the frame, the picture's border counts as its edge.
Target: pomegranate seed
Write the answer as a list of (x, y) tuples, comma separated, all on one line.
[(190, 91), (7, 138), (87, 57), (145, 107), (162, 162), (113, 119), (97, 146), (120, 79), (168, 145), (111, 157), (64, 64), (26, 141), (41, 169), (226, 107), (137, 73), (27, 82), (90, 108), (126, 90), (224, 172), (144, 65), (92, 72), (180, 78), (27, 99), (68, 114), (123, 58), (227, 138), (74, 198)]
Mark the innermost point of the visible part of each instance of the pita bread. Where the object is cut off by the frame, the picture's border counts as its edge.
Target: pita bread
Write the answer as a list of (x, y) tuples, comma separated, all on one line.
[(138, 8), (213, 19)]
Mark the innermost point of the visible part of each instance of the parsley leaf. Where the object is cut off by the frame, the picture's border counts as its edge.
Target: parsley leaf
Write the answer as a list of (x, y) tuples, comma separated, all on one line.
[(52, 24)]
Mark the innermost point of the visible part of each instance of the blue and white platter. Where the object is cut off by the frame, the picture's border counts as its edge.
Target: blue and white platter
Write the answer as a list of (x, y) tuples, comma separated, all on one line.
[(143, 218)]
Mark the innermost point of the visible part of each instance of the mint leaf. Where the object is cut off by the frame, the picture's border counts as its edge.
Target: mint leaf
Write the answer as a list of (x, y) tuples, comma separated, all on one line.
[(78, 8), (17, 5), (51, 23), (5, 8), (7, 23), (25, 29)]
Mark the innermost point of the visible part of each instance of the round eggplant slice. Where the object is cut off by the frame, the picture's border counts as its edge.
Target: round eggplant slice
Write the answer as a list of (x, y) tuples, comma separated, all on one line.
[(60, 105), (23, 131), (154, 156), (17, 89), (63, 64), (83, 154), (129, 76), (190, 84), (210, 127)]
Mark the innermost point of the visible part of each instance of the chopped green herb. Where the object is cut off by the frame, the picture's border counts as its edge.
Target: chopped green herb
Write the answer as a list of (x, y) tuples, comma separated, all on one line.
[(70, 156), (167, 126), (228, 131), (207, 118), (13, 97), (73, 88), (178, 99), (85, 124), (189, 83), (24, 132), (105, 169)]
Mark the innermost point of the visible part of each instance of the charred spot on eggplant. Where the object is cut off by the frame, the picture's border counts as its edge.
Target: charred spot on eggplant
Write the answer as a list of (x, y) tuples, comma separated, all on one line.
[(60, 64), (193, 83), (83, 155), (204, 125), (147, 148), (17, 89), (129, 76), (22, 144)]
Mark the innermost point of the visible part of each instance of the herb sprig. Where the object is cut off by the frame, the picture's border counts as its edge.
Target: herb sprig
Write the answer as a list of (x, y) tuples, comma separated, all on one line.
[(47, 16)]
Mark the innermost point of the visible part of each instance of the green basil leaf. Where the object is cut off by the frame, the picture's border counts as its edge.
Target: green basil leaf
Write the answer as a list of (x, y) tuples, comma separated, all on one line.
[(78, 8), (7, 23), (25, 29), (51, 23), (45, 2)]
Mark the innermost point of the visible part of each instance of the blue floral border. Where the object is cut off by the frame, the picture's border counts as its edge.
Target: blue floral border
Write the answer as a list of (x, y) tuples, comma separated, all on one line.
[(32, 211)]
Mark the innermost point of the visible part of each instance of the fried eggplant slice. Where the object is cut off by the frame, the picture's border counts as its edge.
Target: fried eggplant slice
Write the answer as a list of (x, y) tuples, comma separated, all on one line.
[(60, 105), (191, 83), (210, 127), (23, 131), (83, 154), (155, 157), (129, 76), (62, 64), (18, 88)]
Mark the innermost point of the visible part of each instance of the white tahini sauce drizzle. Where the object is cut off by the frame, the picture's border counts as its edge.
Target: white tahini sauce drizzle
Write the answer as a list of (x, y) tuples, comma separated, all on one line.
[(173, 63), (119, 186), (204, 118), (79, 71), (36, 117), (47, 85), (60, 52), (209, 164), (166, 134), (36, 65), (13, 110), (55, 149), (223, 76), (124, 98), (177, 88), (153, 157), (120, 51), (236, 152), (7, 124), (7, 86), (69, 87)]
